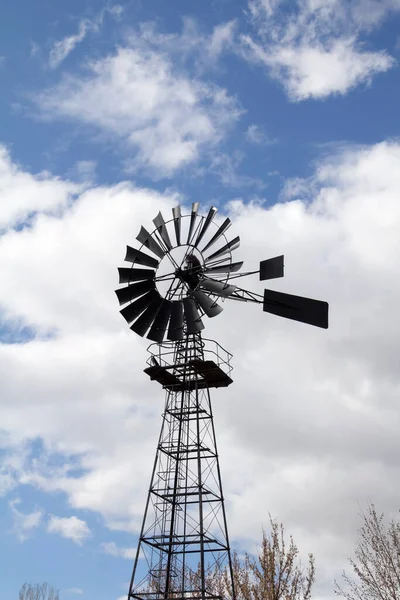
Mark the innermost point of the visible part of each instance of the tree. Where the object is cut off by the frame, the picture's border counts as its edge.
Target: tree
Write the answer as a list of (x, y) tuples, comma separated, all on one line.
[(275, 574), (38, 591), (377, 561)]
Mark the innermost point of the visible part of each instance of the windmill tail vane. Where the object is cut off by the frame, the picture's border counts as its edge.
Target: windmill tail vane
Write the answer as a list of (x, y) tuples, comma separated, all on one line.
[(179, 276)]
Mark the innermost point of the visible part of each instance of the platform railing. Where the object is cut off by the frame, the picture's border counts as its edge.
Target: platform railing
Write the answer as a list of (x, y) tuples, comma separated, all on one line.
[(164, 353)]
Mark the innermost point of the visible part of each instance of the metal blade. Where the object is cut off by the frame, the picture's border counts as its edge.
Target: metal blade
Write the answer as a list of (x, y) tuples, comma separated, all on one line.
[(135, 256), (210, 306), (305, 310), (224, 227), (135, 290), (144, 237), (194, 323), (133, 310), (131, 274), (227, 268), (175, 330), (142, 324), (217, 287), (162, 230), (195, 208), (232, 245), (211, 214), (271, 268), (176, 213), (159, 327)]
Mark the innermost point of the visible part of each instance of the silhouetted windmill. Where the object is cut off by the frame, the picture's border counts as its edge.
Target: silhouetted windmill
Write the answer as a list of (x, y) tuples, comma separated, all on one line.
[(188, 269)]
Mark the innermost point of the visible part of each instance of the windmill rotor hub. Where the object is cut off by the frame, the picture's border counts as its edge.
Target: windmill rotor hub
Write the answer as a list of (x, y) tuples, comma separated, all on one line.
[(183, 264)]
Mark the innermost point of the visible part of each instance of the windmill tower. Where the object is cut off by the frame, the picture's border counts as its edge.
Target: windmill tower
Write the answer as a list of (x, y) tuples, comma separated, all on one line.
[(179, 275)]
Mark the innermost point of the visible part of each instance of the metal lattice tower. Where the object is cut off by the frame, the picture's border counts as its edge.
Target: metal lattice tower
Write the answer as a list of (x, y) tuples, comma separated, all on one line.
[(183, 545), (184, 536)]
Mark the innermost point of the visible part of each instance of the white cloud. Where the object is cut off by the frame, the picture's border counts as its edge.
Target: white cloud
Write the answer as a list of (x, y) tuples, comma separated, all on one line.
[(221, 39), (227, 168), (312, 415), (7, 481), (70, 528), (35, 50), (23, 195), (164, 117), (114, 550), (204, 48), (73, 590), (62, 48), (256, 135), (24, 523), (315, 50), (370, 13), (84, 170)]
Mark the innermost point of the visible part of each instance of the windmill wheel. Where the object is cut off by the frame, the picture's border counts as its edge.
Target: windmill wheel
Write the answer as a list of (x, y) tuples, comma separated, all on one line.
[(183, 277)]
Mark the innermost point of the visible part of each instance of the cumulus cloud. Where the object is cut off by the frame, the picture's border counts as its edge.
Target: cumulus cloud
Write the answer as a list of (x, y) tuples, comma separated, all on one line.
[(315, 49), (114, 550), (312, 414), (62, 48), (23, 195), (70, 528), (24, 523), (163, 116)]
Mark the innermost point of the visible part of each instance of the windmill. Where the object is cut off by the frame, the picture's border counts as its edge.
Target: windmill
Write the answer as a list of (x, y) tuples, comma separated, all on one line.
[(180, 275)]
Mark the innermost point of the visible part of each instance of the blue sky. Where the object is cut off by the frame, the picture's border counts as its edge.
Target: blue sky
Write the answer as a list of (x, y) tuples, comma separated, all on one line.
[(284, 116)]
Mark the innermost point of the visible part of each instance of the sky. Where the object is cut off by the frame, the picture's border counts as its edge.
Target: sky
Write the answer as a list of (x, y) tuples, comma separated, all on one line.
[(284, 115)]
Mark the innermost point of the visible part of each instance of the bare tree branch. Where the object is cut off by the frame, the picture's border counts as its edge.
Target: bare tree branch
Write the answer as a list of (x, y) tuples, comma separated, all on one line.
[(377, 561), (38, 591)]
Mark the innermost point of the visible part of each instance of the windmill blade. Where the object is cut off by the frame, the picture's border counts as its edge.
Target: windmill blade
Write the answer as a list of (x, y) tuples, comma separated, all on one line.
[(271, 268), (133, 310), (210, 306), (145, 238), (211, 214), (135, 290), (305, 310), (227, 268), (175, 330), (146, 319), (159, 327), (217, 287), (193, 216), (162, 230), (224, 227), (131, 274), (135, 256), (176, 213), (194, 324), (232, 245)]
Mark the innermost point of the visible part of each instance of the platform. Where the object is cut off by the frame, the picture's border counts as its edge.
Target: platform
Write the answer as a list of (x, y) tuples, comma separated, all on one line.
[(194, 374)]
